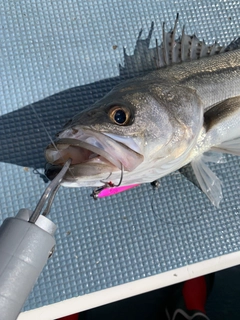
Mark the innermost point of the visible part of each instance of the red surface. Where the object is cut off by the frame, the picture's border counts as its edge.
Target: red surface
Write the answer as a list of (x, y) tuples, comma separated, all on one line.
[(195, 294), (71, 317)]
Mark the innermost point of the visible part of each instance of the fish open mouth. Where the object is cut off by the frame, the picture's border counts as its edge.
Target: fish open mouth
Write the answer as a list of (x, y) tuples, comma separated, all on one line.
[(92, 153)]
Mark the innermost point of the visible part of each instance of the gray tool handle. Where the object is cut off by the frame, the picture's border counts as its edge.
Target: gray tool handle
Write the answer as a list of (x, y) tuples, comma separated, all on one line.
[(24, 251)]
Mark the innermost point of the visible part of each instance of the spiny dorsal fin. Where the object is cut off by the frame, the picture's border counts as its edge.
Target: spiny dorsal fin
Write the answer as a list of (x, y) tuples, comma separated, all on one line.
[(170, 51)]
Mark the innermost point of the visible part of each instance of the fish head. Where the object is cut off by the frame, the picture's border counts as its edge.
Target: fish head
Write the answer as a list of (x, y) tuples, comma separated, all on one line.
[(131, 133)]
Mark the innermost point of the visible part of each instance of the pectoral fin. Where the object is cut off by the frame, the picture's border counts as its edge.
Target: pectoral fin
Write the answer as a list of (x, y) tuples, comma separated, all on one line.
[(223, 135), (231, 146), (222, 126)]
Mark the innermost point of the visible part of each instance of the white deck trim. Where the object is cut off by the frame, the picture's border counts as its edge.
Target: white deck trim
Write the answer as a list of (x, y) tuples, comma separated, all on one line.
[(123, 291)]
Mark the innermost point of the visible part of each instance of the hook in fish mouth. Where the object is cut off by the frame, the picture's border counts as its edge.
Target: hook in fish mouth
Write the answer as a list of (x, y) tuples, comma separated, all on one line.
[(78, 151), (96, 155), (86, 159)]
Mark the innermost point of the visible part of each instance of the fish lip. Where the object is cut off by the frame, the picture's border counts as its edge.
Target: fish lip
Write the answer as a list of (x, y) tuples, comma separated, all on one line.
[(78, 143), (107, 150)]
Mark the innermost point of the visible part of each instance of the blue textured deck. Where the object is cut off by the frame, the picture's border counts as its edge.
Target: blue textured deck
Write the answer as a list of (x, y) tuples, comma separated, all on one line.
[(59, 56)]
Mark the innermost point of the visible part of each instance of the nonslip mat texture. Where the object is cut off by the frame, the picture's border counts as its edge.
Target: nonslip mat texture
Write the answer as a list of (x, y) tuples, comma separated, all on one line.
[(59, 57)]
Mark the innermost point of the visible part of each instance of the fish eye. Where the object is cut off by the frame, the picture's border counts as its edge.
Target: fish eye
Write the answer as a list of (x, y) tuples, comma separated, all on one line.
[(119, 115)]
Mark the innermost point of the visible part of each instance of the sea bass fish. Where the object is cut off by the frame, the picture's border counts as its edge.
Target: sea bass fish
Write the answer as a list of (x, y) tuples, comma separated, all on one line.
[(156, 123)]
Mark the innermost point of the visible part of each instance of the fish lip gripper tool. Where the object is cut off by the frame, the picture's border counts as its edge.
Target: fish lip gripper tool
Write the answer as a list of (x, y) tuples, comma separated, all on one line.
[(26, 242)]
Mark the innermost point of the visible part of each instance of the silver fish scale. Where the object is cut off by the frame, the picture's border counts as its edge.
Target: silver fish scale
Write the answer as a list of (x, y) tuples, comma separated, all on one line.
[(49, 47)]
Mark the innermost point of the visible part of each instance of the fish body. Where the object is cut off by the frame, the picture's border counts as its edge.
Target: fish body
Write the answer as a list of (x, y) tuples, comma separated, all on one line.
[(152, 125)]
